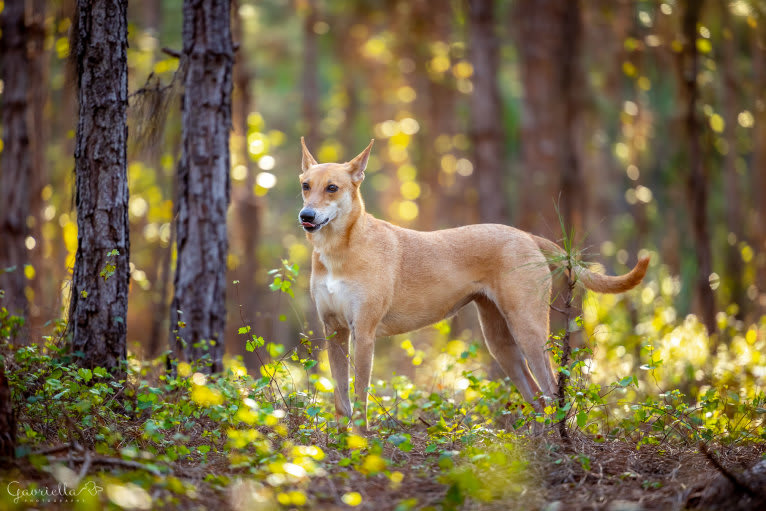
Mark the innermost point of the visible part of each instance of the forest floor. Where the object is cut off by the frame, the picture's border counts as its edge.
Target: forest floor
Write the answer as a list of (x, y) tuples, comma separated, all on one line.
[(578, 475)]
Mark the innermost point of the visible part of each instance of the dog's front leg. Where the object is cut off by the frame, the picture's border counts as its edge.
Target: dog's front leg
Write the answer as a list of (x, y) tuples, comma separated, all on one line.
[(337, 351), (364, 345)]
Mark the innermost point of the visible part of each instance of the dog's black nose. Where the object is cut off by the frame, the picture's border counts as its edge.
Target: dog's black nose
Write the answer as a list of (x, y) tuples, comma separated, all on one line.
[(307, 215)]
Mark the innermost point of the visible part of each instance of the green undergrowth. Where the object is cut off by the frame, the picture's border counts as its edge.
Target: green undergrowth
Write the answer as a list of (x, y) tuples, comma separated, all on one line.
[(268, 438)]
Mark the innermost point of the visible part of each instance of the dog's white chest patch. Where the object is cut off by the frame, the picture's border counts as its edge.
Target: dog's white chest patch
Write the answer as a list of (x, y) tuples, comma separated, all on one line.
[(333, 285), (333, 294)]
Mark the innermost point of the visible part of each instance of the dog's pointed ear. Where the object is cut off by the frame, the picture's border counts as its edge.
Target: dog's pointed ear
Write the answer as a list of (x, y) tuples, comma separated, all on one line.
[(358, 164), (308, 160)]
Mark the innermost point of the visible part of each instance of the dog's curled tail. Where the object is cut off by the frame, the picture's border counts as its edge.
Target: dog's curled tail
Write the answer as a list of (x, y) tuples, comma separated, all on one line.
[(596, 281)]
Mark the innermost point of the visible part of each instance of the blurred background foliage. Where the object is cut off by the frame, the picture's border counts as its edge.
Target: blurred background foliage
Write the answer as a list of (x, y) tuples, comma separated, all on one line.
[(341, 72)]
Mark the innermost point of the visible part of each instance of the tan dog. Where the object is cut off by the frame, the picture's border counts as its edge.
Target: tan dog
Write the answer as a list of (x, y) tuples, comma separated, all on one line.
[(370, 278)]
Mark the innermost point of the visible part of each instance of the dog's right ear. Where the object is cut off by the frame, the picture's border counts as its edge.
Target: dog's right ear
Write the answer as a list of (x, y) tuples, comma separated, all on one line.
[(308, 160), (358, 164)]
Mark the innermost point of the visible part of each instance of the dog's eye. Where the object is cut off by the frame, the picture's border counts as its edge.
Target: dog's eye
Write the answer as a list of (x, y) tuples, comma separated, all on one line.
[(332, 188), (306, 186)]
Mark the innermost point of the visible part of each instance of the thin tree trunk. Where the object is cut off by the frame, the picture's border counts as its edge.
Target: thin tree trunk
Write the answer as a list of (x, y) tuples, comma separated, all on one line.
[(311, 75), (203, 185), (486, 113), (608, 23), (573, 191), (164, 275), (696, 181), (734, 216), (15, 164), (38, 85), (436, 104), (245, 203), (347, 54), (757, 171), (549, 33), (99, 301)]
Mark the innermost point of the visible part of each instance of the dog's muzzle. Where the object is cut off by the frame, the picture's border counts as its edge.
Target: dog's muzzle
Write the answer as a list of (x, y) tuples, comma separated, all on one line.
[(308, 220)]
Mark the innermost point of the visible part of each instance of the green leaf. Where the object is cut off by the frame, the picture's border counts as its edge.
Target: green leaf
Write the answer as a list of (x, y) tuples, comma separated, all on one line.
[(255, 342), (582, 418), (243, 329), (85, 374), (625, 381), (398, 439)]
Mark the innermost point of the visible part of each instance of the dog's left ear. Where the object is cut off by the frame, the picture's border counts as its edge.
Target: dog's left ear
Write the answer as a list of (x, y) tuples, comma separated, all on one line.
[(308, 160), (358, 164)]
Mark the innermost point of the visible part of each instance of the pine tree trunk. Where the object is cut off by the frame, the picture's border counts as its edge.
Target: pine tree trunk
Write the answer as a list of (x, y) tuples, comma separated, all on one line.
[(757, 173), (203, 184), (435, 104), (311, 75), (572, 83), (734, 214), (697, 179), (486, 113), (99, 301), (7, 418), (549, 40), (38, 92), (15, 163), (245, 204)]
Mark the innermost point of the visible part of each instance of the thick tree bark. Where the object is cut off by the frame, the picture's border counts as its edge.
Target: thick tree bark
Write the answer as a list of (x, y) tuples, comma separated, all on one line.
[(203, 184), (549, 40), (697, 178), (7, 418), (99, 301), (486, 113), (15, 163)]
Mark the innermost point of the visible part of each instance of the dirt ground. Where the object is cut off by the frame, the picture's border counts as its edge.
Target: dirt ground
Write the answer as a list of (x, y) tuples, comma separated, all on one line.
[(619, 478)]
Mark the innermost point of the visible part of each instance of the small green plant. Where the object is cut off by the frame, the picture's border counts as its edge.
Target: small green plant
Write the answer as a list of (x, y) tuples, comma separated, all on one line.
[(271, 431), (110, 266)]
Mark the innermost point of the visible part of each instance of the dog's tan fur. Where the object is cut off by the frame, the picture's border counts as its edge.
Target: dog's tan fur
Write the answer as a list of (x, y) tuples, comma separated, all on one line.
[(371, 278)]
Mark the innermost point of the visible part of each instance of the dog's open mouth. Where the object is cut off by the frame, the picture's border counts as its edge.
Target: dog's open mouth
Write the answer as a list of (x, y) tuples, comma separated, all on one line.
[(309, 227)]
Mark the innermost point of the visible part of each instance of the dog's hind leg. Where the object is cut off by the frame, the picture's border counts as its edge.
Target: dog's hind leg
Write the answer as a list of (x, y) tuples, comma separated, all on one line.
[(527, 314), (504, 349), (337, 351)]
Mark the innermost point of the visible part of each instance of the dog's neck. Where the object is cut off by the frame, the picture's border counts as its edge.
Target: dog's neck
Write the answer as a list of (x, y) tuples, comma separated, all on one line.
[(333, 242)]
